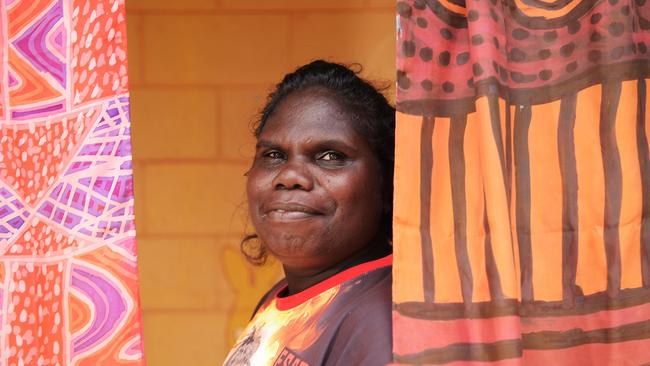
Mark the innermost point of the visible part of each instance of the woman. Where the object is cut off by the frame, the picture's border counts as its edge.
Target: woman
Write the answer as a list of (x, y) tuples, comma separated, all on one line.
[(320, 200)]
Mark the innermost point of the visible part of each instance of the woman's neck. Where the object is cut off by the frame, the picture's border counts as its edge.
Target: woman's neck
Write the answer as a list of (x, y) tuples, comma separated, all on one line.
[(298, 280)]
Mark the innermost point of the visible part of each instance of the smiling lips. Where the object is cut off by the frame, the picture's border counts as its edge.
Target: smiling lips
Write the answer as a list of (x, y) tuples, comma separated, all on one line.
[(290, 211)]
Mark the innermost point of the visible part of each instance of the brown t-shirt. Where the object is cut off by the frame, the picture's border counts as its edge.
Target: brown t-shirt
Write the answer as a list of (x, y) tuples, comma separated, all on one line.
[(344, 320)]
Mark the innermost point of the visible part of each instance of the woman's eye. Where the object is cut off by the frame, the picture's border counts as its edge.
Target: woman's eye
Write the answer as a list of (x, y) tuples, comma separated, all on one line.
[(274, 155), (331, 156)]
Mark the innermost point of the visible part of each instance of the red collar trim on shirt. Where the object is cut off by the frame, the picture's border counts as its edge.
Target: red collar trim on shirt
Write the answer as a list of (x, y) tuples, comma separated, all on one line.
[(286, 303)]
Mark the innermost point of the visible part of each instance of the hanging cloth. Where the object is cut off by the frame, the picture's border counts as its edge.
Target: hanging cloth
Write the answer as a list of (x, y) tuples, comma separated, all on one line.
[(68, 270), (522, 183)]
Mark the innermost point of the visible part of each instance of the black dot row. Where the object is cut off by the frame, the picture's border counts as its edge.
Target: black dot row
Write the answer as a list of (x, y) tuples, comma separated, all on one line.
[(477, 70), (518, 55)]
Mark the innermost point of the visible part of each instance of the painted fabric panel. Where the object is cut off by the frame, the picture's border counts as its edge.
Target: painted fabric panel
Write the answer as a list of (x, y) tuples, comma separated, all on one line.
[(522, 204), (68, 270), (344, 320)]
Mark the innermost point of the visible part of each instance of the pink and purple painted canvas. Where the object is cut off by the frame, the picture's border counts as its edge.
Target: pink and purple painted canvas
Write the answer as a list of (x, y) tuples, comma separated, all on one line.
[(68, 269)]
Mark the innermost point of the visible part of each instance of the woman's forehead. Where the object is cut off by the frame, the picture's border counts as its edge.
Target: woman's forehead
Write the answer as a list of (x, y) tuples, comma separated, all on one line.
[(310, 113), (307, 134), (315, 97)]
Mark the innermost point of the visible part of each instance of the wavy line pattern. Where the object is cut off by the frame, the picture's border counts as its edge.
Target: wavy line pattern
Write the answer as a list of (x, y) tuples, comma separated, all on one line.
[(32, 44), (108, 305)]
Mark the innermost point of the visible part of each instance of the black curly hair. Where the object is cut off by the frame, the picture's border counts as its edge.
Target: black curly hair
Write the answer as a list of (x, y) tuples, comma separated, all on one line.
[(374, 118)]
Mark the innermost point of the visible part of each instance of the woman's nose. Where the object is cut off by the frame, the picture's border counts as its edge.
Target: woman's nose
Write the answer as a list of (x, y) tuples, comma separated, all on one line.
[(293, 175)]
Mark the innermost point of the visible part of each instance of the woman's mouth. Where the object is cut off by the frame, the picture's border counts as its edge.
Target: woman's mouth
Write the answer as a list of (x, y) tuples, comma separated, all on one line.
[(290, 211)]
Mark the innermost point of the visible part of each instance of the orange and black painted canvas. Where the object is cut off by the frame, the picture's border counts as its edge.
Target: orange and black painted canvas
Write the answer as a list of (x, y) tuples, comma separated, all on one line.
[(522, 188)]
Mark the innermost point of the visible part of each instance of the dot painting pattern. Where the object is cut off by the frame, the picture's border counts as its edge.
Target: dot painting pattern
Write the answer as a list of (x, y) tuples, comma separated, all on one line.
[(534, 44), (68, 265), (99, 63)]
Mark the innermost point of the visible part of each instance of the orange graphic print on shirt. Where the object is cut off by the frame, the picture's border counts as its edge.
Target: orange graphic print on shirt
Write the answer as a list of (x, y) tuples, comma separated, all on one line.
[(272, 329)]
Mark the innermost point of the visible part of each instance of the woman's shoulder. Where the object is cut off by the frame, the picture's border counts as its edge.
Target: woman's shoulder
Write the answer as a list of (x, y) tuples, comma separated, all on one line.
[(369, 296), (364, 336), (371, 286)]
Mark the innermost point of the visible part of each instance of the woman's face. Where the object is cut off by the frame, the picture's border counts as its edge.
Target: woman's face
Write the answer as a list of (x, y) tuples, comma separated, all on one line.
[(315, 187)]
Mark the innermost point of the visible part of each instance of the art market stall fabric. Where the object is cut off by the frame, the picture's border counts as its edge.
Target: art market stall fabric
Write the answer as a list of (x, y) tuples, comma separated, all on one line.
[(522, 205), (68, 271)]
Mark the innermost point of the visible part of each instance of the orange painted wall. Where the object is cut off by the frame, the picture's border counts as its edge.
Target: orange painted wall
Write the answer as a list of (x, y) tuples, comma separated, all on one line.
[(199, 71)]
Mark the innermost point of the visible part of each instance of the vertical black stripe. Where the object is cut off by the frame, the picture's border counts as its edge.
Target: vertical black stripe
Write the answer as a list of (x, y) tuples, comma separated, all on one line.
[(426, 167), (569, 174), (522, 191), (508, 155), (644, 163), (495, 121), (611, 93), (509, 168), (506, 161), (491, 268), (459, 204)]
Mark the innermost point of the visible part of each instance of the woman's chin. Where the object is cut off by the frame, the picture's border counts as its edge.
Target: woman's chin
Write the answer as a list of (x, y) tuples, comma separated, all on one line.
[(295, 236), (296, 254)]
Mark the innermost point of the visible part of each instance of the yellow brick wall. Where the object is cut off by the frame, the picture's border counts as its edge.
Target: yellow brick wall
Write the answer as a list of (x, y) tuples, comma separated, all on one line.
[(199, 71)]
